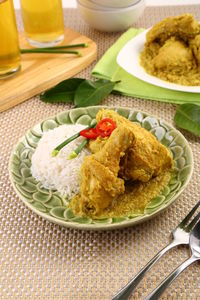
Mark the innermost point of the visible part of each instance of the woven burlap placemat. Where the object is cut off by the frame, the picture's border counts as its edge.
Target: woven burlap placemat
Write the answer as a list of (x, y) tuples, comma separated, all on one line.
[(41, 260)]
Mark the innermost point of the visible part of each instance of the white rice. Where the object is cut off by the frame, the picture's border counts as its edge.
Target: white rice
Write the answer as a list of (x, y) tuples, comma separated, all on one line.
[(57, 172)]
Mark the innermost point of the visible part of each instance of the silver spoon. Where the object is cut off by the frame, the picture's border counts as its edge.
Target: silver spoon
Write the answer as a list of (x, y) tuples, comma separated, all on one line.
[(195, 249)]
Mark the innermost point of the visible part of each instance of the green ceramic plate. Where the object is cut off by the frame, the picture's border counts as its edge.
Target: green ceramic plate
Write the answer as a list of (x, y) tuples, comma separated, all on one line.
[(50, 204)]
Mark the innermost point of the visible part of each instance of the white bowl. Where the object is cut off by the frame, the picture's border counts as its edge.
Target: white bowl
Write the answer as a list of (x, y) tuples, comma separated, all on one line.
[(108, 5), (111, 20), (92, 5), (115, 3)]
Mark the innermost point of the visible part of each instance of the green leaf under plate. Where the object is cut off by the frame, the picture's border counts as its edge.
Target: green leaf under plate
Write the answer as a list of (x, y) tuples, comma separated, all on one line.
[(92, 92), (62, 92), (188, 117)]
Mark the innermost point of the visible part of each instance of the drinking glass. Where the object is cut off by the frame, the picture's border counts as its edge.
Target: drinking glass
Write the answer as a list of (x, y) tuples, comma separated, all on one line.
[(43, 22), (10, 57)]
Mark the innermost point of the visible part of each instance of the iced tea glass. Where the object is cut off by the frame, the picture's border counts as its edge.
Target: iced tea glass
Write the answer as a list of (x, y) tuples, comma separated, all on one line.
[(43, 22), (9, 46)]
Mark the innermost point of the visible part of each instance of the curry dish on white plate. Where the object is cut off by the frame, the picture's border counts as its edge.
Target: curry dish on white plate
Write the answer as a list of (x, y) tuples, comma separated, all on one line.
[(172, 50)]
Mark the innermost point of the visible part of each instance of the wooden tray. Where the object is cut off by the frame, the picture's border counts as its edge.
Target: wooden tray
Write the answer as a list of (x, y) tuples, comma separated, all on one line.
[(42, 71)]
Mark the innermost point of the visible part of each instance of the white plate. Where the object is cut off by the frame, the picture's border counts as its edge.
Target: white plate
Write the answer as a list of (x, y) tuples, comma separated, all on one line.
[(128, 59)]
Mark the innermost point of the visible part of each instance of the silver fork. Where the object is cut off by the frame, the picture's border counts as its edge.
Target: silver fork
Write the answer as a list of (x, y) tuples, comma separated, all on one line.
[(180, 236), (195, 249)]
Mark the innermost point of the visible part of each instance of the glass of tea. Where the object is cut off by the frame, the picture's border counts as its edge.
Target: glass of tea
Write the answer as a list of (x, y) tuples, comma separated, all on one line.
[(43, 22), (9, 47)]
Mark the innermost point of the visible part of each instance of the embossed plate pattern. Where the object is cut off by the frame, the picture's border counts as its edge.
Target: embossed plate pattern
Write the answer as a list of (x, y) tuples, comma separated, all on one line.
[(53, 207)]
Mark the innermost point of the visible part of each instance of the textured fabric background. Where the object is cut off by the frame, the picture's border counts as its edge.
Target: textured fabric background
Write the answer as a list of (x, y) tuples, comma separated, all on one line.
[(40, 260)]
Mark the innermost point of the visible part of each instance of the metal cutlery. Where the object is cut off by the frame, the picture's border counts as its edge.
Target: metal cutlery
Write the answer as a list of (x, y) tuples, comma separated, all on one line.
[(195, 250), (180, 236)]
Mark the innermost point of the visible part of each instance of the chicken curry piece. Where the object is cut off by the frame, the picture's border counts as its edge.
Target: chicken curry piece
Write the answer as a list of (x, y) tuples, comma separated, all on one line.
[(100, 181), (130, 154), (172, 50)]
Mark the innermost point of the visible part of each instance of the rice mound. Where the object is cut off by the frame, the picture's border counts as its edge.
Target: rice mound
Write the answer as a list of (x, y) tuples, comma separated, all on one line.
[(58, 173)]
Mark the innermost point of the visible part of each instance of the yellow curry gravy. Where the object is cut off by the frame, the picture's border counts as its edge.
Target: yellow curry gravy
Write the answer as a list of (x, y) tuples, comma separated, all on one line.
[(137, 195), (172, 50)]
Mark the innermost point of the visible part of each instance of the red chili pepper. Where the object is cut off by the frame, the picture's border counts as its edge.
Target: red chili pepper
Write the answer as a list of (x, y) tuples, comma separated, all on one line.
[(90, 133), (105, 127)]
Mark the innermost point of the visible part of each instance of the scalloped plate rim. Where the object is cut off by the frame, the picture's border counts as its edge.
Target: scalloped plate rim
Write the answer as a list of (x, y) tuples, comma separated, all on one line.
[(97, 226)]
